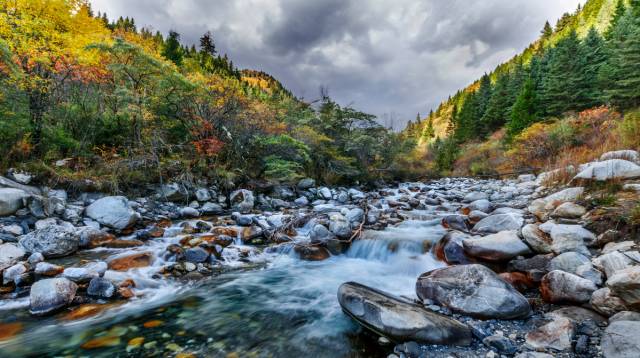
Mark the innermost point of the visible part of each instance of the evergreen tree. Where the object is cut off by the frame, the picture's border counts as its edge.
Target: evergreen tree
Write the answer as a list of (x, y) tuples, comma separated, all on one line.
[(499, 105), (593, 56), (547, 31), (524, 110), (172, 50), (621, 10), (429, 131), (562, 86), (621, 74), (206, 44)]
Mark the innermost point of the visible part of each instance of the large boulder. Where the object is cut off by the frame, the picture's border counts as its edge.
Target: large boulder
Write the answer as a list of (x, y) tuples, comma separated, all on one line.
[(306, 183), (112, 211), (51, 294), (559, 286), (496, 223), (610, 169), (9, 255), (242, 201), (569, 210), (626, 285), (502, 246), (621, 339), (51, 241), (173, 192), (605, 303), (473, 290), (630, 155), (399, 320), (11, 200)]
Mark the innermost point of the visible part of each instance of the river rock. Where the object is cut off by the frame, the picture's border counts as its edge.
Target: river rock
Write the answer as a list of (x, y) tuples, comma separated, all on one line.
[(306, 184), (51, 294), (621, 339), (325, 193), (52, 241), (538, 240), (10, 254), (568, 262), (496, 223), (450, 249), (398, 319), (340, 226), (242, 201), (130, 261), (189, 212), (301, 201), (14, 274), (569, 210), (79, 274), (502, 246), (209, 208), (312, 253), (625, 316), (196, 255), (112, 211), (612, 262), (560, 286), (456, 222), (473, 290), (173, 192), (101, 287), (610, 169), (630, 155), (47, 269), (567, 238), (11, 200), (626, 285), (203, 195), (535, 267), (556, 335), (474, 196), (319, 233), (482, 205), (605, 303)]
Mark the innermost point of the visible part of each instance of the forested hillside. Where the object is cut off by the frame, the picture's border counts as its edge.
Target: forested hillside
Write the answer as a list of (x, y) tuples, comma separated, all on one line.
[(590, 59), (123, 105)]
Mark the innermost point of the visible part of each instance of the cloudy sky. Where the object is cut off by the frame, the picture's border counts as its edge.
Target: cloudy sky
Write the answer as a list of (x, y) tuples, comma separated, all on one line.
[(391, 58)]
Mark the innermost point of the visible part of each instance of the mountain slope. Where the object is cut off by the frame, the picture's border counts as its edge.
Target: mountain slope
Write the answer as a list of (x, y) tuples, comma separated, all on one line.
[(595, 13)]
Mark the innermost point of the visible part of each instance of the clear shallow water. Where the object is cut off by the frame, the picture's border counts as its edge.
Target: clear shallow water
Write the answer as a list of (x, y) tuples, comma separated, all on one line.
[(285, 307)]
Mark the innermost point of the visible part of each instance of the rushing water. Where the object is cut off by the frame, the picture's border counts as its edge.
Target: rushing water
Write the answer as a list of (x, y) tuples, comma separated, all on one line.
[(270, 305)]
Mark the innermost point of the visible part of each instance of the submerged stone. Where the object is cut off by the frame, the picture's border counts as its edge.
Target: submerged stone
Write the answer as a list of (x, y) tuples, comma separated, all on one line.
[(399, 320)]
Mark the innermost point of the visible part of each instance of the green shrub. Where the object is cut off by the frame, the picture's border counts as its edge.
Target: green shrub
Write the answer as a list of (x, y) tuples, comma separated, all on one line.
[(630, 130)]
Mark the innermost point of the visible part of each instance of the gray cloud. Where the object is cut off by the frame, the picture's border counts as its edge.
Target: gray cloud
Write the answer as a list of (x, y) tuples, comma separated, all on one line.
[(395, 57)]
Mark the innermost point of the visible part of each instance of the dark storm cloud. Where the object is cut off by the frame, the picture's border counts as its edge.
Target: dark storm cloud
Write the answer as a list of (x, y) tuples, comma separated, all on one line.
[(394, 56)]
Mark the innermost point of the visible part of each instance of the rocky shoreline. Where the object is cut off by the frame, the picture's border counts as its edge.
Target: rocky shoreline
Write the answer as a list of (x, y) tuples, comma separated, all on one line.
[(533, 271)]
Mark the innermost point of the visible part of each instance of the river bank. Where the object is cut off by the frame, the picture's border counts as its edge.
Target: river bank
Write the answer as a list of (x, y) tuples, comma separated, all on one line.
[(187, 271)]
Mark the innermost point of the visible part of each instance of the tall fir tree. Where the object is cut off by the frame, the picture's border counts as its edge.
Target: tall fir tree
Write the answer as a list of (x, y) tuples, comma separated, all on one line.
[(562, 86), (524, 110), (172, 49), (593, 55), (499, 106), (622, 71)]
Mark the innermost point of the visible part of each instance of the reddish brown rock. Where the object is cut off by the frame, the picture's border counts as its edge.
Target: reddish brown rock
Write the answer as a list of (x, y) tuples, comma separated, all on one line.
[(124, 263), (312, 253), (522, 282)]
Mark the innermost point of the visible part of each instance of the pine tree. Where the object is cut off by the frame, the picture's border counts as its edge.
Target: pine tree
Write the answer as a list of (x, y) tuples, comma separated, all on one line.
[(562, 86), (524, 111), (620, 11), (172, 50), (206, 44), (593, 56), (622, 72), (547, 31), (499, 105), (429, 131)]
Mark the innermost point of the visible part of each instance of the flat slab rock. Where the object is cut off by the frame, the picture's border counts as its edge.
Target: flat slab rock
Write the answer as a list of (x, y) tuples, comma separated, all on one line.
[(399, 320), (621, 339), (473, 290)]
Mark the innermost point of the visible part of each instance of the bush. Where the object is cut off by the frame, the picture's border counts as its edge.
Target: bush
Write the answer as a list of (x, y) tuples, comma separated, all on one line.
[(630, 130)]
